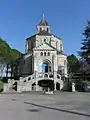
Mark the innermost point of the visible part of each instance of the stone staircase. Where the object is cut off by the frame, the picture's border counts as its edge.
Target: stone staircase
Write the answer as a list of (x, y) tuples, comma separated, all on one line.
[(26, 83)]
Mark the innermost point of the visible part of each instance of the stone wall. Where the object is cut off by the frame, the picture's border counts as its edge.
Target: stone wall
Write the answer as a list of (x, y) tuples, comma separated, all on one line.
[(62, 61), (52, 40)]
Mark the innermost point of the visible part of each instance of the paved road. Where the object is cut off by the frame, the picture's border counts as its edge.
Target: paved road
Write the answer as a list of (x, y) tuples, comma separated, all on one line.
[(36, 106)]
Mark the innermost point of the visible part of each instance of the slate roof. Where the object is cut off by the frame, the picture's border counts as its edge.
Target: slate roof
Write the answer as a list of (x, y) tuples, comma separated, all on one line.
[(43, 33), (43, 22), (58, 52), (33, 36)]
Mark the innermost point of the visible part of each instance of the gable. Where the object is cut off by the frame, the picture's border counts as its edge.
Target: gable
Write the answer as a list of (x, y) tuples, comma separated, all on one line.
[(45, 47)]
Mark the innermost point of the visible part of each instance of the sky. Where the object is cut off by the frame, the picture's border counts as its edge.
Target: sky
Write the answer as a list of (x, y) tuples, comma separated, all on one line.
[(68, 19)]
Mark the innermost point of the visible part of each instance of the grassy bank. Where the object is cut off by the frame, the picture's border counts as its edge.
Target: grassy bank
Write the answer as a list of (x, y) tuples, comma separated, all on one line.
[(86, 82), (1, 85)]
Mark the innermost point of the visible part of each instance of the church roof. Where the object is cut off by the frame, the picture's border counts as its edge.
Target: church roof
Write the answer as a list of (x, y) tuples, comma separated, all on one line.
[(58, 52), (43, 22), (43, 33)]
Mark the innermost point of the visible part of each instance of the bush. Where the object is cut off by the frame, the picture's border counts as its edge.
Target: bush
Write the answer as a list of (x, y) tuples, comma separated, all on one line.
[(1, 86), (4, 80), (67, 86), (79, 85)]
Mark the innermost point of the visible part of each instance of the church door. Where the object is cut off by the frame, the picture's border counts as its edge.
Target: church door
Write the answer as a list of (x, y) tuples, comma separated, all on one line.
[(44, 68)]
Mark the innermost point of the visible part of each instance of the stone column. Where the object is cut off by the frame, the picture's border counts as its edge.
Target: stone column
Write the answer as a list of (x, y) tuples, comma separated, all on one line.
[(65, 68), (54, 63), (55, 86), (55, 79), (73, 87), (19, 87), (35, 72), (61, 85), (28, 87), (10, 83), (36, 80), (35, 69), (5, 87)]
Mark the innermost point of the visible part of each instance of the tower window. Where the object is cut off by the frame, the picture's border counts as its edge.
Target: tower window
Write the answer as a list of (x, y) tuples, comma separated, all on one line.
[(40, 29), (64, 62), (61, 47), (41, 53), (47, 29), (44, 53), (44, 40), (48, 53)]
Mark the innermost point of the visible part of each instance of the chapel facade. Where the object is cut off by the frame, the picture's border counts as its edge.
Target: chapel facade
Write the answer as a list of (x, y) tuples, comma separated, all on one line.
[(44, 55)]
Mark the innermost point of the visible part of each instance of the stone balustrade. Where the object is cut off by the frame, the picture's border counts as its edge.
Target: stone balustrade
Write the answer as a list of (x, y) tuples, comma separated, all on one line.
[(25, 83)]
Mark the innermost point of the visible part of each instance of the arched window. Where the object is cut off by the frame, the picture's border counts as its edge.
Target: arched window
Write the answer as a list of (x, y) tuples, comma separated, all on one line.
[(44, 40), (48, 53), (61, 47), (41, 53), (24, 62), (40, 29), (65, 63), (47, 29), (44, 53)]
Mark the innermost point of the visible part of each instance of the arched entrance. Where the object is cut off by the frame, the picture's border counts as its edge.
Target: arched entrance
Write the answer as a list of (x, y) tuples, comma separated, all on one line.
[(46, 66), (45, 84), (57, 86)]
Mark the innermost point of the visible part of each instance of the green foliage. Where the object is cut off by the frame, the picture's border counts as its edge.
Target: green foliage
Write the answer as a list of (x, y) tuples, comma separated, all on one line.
[(4, 50), (73, 64), (85, 49), (7, 55), (86, 82), (67, 86), (15, 54), (1, 86)]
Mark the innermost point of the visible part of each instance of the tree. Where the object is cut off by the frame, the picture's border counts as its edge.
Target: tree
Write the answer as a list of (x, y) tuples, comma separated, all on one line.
[(85, 49), (2, 66), (73, 64), (7, 57), (4, 55), (14, 63)]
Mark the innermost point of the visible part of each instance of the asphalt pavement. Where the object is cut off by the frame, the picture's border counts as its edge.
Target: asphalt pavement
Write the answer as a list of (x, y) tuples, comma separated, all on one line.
[(37, 106)]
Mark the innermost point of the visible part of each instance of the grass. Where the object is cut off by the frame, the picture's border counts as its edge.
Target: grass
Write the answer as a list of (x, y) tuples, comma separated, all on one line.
[(87, 82), (1, 85)]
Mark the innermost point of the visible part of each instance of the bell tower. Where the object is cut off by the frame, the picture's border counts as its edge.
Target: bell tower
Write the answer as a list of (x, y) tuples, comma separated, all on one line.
[(43, 26)]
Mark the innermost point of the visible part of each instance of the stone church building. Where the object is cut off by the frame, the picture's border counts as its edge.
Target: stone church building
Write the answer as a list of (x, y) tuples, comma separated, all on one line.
[(44, 61)]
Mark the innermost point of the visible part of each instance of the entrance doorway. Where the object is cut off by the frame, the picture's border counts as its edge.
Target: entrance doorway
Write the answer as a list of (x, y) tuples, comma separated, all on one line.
[(46, 67)]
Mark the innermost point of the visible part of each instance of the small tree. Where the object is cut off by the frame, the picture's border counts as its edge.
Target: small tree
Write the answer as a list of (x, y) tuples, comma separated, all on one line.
[(73, 64)]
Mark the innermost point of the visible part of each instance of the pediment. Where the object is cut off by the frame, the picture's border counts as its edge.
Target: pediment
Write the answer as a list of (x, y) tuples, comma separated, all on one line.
[(45, 46)]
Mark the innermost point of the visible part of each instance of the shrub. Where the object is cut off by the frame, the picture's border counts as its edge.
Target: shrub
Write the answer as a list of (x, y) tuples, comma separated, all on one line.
[(1, 86)]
